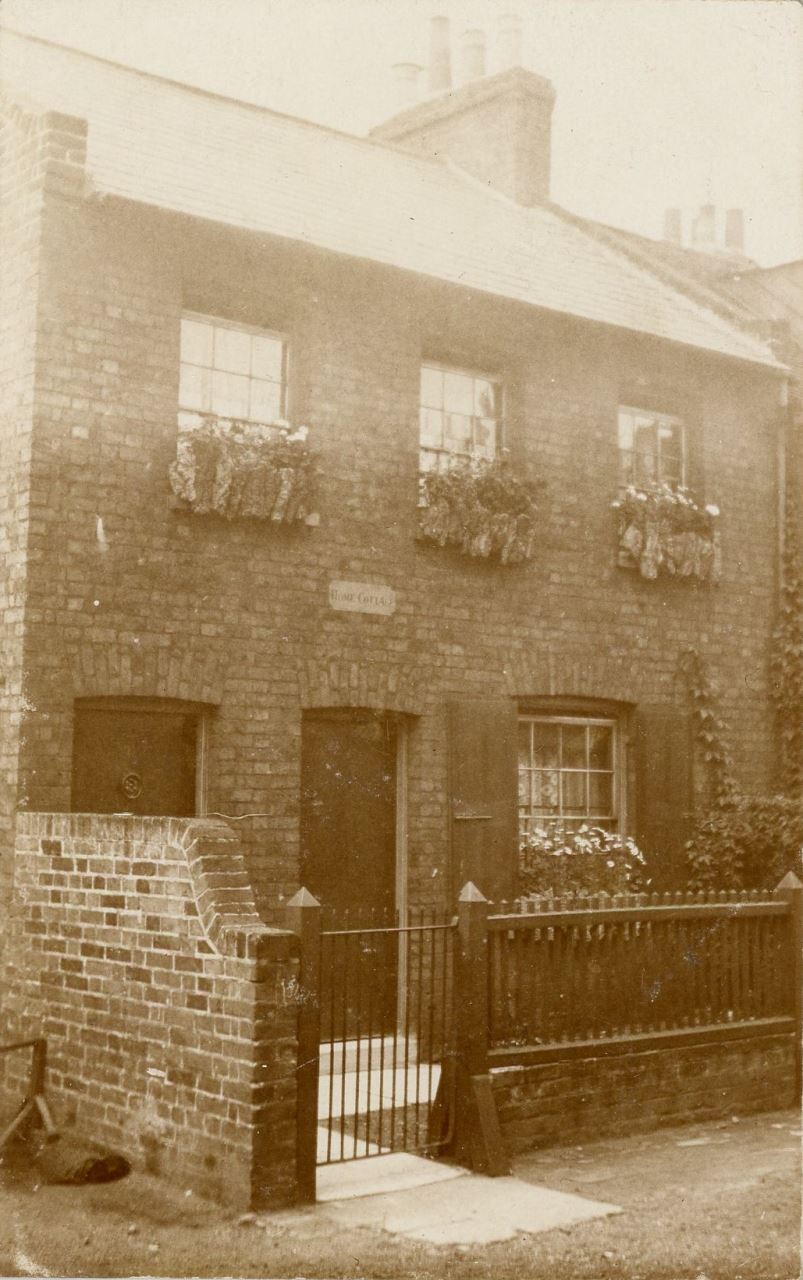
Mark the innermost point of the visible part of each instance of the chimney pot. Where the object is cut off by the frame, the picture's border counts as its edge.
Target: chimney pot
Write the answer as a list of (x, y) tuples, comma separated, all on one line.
[(440, 59), (405, 75), (473, 55), (673, 226), (704, 227), (509, 40), (734, 230)]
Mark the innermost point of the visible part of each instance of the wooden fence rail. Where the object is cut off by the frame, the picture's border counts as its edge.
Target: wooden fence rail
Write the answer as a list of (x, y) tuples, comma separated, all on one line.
[(599, 969)]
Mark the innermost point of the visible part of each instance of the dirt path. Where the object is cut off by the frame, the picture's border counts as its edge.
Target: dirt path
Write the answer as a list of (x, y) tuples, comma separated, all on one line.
[(720, 1201)]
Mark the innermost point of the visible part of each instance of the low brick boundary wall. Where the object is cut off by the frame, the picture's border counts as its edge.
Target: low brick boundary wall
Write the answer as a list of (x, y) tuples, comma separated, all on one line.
[(136, 949), (584, 1098)]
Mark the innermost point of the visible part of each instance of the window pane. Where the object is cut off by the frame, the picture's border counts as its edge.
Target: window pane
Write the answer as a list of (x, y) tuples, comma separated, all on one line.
[(458, 392), (573, 754), (485, 437), (524, 787), (525, 730), (196, 342), (457, 433), (431, 428), (195, 388), (485, 398), (230, 395), (428, 461), (232, 350), (267, 358), (600, 794), (431, 387), (574, 792), (266, 401), (600, 742), (545, 791), (545, 745), (625, 430)]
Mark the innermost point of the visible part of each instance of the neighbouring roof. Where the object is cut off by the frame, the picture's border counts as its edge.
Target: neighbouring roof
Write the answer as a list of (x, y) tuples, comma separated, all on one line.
[(159, 143)]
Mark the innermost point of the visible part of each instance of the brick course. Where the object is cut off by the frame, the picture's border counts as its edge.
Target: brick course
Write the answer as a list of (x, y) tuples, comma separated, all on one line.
[(162, 997), (589, 1098)]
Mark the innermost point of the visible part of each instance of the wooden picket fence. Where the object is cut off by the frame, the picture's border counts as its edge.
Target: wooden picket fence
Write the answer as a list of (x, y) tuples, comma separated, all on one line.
[(564, 974)]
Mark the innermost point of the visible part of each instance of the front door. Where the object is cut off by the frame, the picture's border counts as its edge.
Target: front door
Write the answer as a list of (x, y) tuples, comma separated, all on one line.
[(348, 854)]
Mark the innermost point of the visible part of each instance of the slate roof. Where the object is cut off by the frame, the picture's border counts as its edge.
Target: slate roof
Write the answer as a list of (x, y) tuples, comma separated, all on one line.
[(159, 143)]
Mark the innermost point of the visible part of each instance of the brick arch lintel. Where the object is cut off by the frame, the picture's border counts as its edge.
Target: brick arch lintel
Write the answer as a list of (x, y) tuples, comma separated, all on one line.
[(124, 670), (571, 675), (338, 682)]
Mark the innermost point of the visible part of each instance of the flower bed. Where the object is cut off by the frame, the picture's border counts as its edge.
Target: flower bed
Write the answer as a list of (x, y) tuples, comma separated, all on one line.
[(590, 860), (244, 469), (664, 531), (481, 509)]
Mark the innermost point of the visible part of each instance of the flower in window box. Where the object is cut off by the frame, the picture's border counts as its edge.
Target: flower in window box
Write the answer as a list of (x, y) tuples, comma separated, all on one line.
[(663, 531), (244, 469), (480, 508)]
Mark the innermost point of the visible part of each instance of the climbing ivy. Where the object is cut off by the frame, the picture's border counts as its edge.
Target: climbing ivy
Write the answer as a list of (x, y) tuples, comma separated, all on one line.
[(787, 658), (709, 728)]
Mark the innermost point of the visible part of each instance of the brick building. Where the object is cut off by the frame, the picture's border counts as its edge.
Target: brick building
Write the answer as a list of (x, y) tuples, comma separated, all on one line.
[(360, 701)]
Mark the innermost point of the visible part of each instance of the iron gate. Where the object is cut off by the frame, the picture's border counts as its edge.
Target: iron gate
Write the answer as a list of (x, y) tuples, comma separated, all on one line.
[(386, 1044)]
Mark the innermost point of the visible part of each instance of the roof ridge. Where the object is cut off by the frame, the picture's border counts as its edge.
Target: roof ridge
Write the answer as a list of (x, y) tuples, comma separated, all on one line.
[(362, 139)]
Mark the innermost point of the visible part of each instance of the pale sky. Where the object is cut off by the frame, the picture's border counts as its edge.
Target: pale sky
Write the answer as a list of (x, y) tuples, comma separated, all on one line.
[(659, 102)]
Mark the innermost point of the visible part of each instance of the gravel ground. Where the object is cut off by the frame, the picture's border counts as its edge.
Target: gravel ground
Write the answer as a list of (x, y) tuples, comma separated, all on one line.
[(719, 1201)]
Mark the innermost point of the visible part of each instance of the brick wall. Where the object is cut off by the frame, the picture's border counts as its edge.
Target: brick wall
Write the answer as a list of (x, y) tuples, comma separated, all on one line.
[(236, 614), (588, 1098), (137, 951)]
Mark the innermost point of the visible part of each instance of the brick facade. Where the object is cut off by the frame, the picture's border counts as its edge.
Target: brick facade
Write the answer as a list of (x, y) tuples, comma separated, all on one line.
[(136, 950), (613, 1095), (236, 614)]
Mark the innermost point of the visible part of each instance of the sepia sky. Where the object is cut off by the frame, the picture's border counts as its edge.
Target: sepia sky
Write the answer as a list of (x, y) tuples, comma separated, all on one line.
[(659, 102)]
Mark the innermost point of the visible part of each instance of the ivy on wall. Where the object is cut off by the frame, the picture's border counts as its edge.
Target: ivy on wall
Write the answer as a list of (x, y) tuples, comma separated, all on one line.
[(787, 658), (709, 728)]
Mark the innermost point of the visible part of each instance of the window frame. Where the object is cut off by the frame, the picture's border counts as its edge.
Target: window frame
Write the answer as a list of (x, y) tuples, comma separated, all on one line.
[(616, 822), (193, 417), (453, 457), (631, 481)]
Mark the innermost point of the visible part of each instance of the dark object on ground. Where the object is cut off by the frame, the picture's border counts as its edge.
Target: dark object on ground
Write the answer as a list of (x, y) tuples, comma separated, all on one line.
[(72, 1163)]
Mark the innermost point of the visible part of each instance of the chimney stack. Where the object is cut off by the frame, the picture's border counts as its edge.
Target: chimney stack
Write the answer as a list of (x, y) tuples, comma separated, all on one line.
[(704, 227), (509, 41), (734, 230), (473, 55), (673, 227), (440, 63), (405, 75)]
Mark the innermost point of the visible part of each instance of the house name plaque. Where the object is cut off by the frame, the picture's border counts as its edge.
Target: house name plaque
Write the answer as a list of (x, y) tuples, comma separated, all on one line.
[(362, 597)]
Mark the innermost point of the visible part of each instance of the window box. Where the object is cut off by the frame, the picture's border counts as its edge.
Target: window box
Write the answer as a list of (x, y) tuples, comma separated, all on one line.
[(663, 532), (243, 469), (479, 508)]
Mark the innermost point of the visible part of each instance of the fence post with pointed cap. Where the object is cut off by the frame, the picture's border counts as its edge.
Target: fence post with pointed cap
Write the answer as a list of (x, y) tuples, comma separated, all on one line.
[(304, 919), (791, 890), (477, 1136)]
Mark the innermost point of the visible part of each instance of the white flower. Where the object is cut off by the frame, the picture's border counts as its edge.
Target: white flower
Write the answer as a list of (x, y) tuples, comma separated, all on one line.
[(712, 510)]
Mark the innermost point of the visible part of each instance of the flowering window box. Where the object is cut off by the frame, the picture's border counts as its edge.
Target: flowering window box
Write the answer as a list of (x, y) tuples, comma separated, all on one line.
[(243, 469), (664, 532), (480, 508)]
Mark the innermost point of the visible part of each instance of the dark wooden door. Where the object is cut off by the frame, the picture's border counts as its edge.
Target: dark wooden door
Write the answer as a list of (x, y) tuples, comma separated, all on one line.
[(348, 861), (134, 761)]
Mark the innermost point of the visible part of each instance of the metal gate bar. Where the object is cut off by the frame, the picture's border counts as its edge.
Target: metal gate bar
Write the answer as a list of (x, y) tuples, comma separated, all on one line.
[(386, 1043)]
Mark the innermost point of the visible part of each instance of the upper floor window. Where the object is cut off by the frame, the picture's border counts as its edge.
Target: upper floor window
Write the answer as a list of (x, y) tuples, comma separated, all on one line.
[(651, 449), (231, 371), (461, 416), (567, 772)]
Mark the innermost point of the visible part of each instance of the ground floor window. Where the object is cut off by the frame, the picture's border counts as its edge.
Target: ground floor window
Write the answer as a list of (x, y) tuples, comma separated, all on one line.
[(567, 772)]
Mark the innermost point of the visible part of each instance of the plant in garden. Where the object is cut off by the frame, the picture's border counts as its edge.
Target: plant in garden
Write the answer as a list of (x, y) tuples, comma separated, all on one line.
[(481, 508), (664, 531), (589, 860), (238, 469), (750, 843)]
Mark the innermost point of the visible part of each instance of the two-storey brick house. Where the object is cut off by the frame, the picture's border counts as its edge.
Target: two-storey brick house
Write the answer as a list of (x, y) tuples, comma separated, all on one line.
[(377, 713)]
